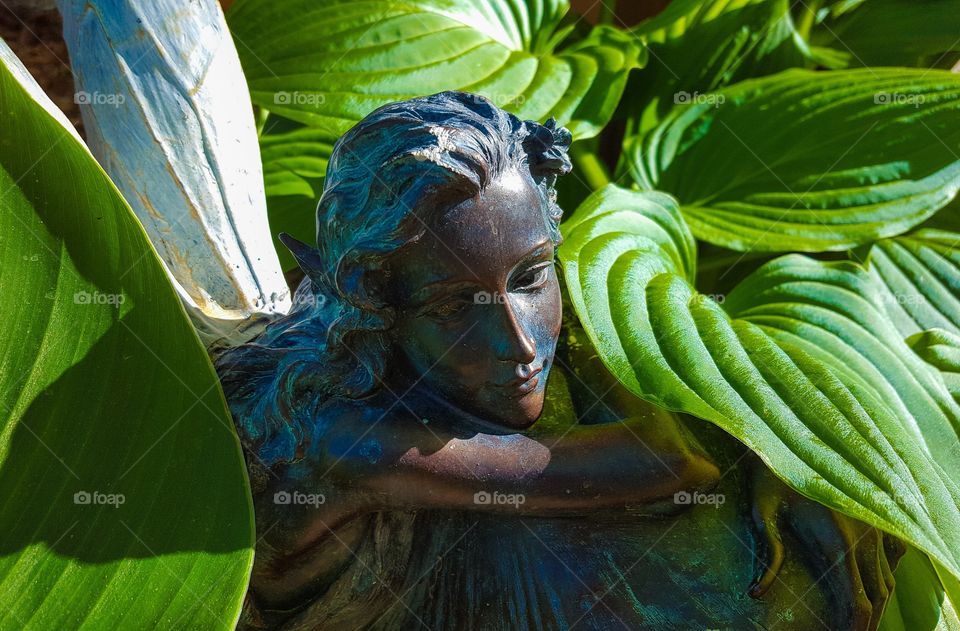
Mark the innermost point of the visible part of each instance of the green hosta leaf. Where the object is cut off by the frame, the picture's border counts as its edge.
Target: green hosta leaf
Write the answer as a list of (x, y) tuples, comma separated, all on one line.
[(126, 503), (329, 63), (919, 602), (294, 164), (839, 7), (940, 349), (809, 161), (753, 27), (892, 33), (921, 272), (800, 363), (295, 215), (291, 159), (698, 46)]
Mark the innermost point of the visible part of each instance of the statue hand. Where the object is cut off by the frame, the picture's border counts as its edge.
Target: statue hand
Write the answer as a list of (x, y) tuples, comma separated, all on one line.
[(856, 560)]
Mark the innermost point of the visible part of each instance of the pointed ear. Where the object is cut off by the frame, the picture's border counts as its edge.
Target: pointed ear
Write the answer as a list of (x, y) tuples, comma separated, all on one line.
[(307, 257)]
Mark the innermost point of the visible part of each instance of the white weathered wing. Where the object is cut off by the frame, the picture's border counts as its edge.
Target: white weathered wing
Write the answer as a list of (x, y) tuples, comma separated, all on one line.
[(167, 113)]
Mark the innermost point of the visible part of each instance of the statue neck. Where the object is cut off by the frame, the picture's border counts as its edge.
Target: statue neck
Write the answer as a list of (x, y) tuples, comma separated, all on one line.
[(427, 404)]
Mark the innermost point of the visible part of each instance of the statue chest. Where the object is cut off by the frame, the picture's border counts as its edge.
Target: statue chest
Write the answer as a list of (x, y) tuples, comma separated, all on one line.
[(690, 571)]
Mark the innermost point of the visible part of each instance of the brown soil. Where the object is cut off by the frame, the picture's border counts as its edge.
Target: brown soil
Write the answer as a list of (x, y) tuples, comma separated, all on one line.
[(36, 38)]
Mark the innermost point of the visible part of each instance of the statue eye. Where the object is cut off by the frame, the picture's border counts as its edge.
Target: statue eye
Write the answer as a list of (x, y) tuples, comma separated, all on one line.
[(533, 278), (447, 309)]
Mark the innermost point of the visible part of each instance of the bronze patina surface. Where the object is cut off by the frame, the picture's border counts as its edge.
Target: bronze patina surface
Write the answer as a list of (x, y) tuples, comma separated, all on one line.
[(434, 444)]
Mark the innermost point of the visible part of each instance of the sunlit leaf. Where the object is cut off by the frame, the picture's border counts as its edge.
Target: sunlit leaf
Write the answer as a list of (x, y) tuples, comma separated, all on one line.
[(919, 601), (921, 272), (799, 362), (699, 46), (923, 33), (809, 161), (125, 498), (329, 63), (940, 349)]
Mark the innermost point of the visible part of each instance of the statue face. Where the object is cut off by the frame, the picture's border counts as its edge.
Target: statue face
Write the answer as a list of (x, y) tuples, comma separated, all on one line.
[(479, 304)]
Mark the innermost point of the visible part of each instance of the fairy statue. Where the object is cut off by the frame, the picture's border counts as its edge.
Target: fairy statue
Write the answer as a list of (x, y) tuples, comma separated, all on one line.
[(434, 444)]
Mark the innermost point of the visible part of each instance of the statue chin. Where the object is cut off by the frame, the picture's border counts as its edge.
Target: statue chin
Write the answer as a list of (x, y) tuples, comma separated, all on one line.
[(516, 423), (496, 415), (511, 416)]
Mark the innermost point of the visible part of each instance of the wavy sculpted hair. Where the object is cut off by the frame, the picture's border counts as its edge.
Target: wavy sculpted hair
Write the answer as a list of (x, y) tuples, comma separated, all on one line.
[(389, 178)]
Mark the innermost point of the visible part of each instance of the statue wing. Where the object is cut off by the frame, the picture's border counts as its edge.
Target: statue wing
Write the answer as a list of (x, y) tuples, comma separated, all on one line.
[(167, 114)]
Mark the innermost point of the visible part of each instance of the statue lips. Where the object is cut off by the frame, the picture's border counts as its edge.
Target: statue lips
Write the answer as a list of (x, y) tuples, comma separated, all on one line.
[(522, 385)]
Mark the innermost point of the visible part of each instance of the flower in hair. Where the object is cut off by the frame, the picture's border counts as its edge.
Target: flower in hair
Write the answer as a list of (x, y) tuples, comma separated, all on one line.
[(547, 146)]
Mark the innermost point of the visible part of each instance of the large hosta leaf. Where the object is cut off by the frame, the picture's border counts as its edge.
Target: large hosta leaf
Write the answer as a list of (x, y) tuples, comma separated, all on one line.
[(919, 603), (125, 500), (809, 161), (799, 362), (292, 159), (698, 46), (940, 349), (891, 33), (295, 163), (921, 272), (330, 63)]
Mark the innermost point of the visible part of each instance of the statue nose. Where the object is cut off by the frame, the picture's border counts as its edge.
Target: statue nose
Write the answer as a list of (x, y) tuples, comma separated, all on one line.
[(520, 346)]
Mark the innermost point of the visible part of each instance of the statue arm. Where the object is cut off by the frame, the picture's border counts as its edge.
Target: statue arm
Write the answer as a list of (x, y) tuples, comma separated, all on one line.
[(570, 471), (598, 397), (612, 450)]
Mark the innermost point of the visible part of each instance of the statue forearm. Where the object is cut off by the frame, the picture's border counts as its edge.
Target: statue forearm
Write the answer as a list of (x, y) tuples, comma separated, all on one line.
[(587, 468)]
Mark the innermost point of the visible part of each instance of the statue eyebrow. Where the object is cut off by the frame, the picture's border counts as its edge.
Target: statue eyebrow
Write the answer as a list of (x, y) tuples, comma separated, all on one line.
[(422, 295), (537, 251)]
